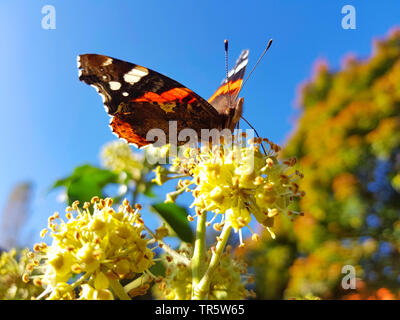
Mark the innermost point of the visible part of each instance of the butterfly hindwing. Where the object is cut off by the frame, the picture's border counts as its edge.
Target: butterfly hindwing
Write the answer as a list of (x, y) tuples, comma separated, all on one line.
[(229, 89)]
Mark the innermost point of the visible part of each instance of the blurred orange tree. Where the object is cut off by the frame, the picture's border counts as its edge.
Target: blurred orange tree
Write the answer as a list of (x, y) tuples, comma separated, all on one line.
[(347, 141)]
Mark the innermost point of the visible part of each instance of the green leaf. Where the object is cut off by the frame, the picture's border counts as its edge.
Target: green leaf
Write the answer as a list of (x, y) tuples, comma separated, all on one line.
[(61, 183), (176, 217), (158, 269), (86, 182)]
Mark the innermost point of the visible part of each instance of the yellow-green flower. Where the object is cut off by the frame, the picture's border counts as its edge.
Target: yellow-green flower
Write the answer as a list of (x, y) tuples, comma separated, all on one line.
[(119, 157), (396, 182), (90, 293), (227, 283), (13, 284), (238, 180), (97, 243)]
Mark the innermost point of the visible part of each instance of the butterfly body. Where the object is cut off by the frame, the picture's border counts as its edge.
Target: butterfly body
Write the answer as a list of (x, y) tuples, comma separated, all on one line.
[(139, 99)]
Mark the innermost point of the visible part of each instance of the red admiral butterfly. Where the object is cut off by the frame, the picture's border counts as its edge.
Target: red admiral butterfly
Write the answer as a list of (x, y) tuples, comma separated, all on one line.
[(139, 99)]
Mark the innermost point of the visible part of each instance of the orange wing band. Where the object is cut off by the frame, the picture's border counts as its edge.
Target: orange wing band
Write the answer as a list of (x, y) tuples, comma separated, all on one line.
[(224, 89), (176, 94)]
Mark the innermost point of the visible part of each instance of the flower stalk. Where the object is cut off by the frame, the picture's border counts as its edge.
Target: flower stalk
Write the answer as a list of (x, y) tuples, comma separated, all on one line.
[(137, 283), (199, 251), (202, 288), (119, 290)]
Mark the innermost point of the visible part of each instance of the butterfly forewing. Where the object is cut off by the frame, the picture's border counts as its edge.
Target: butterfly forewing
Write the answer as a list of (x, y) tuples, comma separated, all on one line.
[(140, 99)]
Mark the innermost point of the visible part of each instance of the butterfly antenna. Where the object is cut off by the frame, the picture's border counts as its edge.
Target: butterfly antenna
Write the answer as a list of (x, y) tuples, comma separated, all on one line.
[(226, 70), (262, 145), (259, 59)]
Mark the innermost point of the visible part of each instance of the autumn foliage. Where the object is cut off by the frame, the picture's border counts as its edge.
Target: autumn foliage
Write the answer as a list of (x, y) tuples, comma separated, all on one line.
[(347, 141)]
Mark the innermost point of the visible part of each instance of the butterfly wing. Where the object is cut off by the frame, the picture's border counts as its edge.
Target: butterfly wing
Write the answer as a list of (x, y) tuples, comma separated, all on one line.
[(229, 89), (139, 99)]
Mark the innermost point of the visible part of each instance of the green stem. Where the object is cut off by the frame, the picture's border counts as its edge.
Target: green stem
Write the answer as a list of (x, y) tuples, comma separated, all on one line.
[(202, 288), (199, 252), (136, 283), (119, 290)]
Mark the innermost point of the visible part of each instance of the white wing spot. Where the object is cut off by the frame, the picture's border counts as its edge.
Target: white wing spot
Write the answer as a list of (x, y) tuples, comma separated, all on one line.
[(125, 94), (140, 72), (78, 61), (131, 79), (107, 62), (114, 85), (241, 66), (135, 74)]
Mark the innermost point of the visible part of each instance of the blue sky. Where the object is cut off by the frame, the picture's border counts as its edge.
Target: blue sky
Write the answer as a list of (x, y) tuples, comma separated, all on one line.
[(52, 122)]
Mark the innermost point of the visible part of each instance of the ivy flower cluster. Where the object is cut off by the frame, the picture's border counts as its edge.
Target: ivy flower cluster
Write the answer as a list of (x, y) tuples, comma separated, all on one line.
[(119, 157), (96, 246), (228, 281), (12, 266), (238, 180)]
